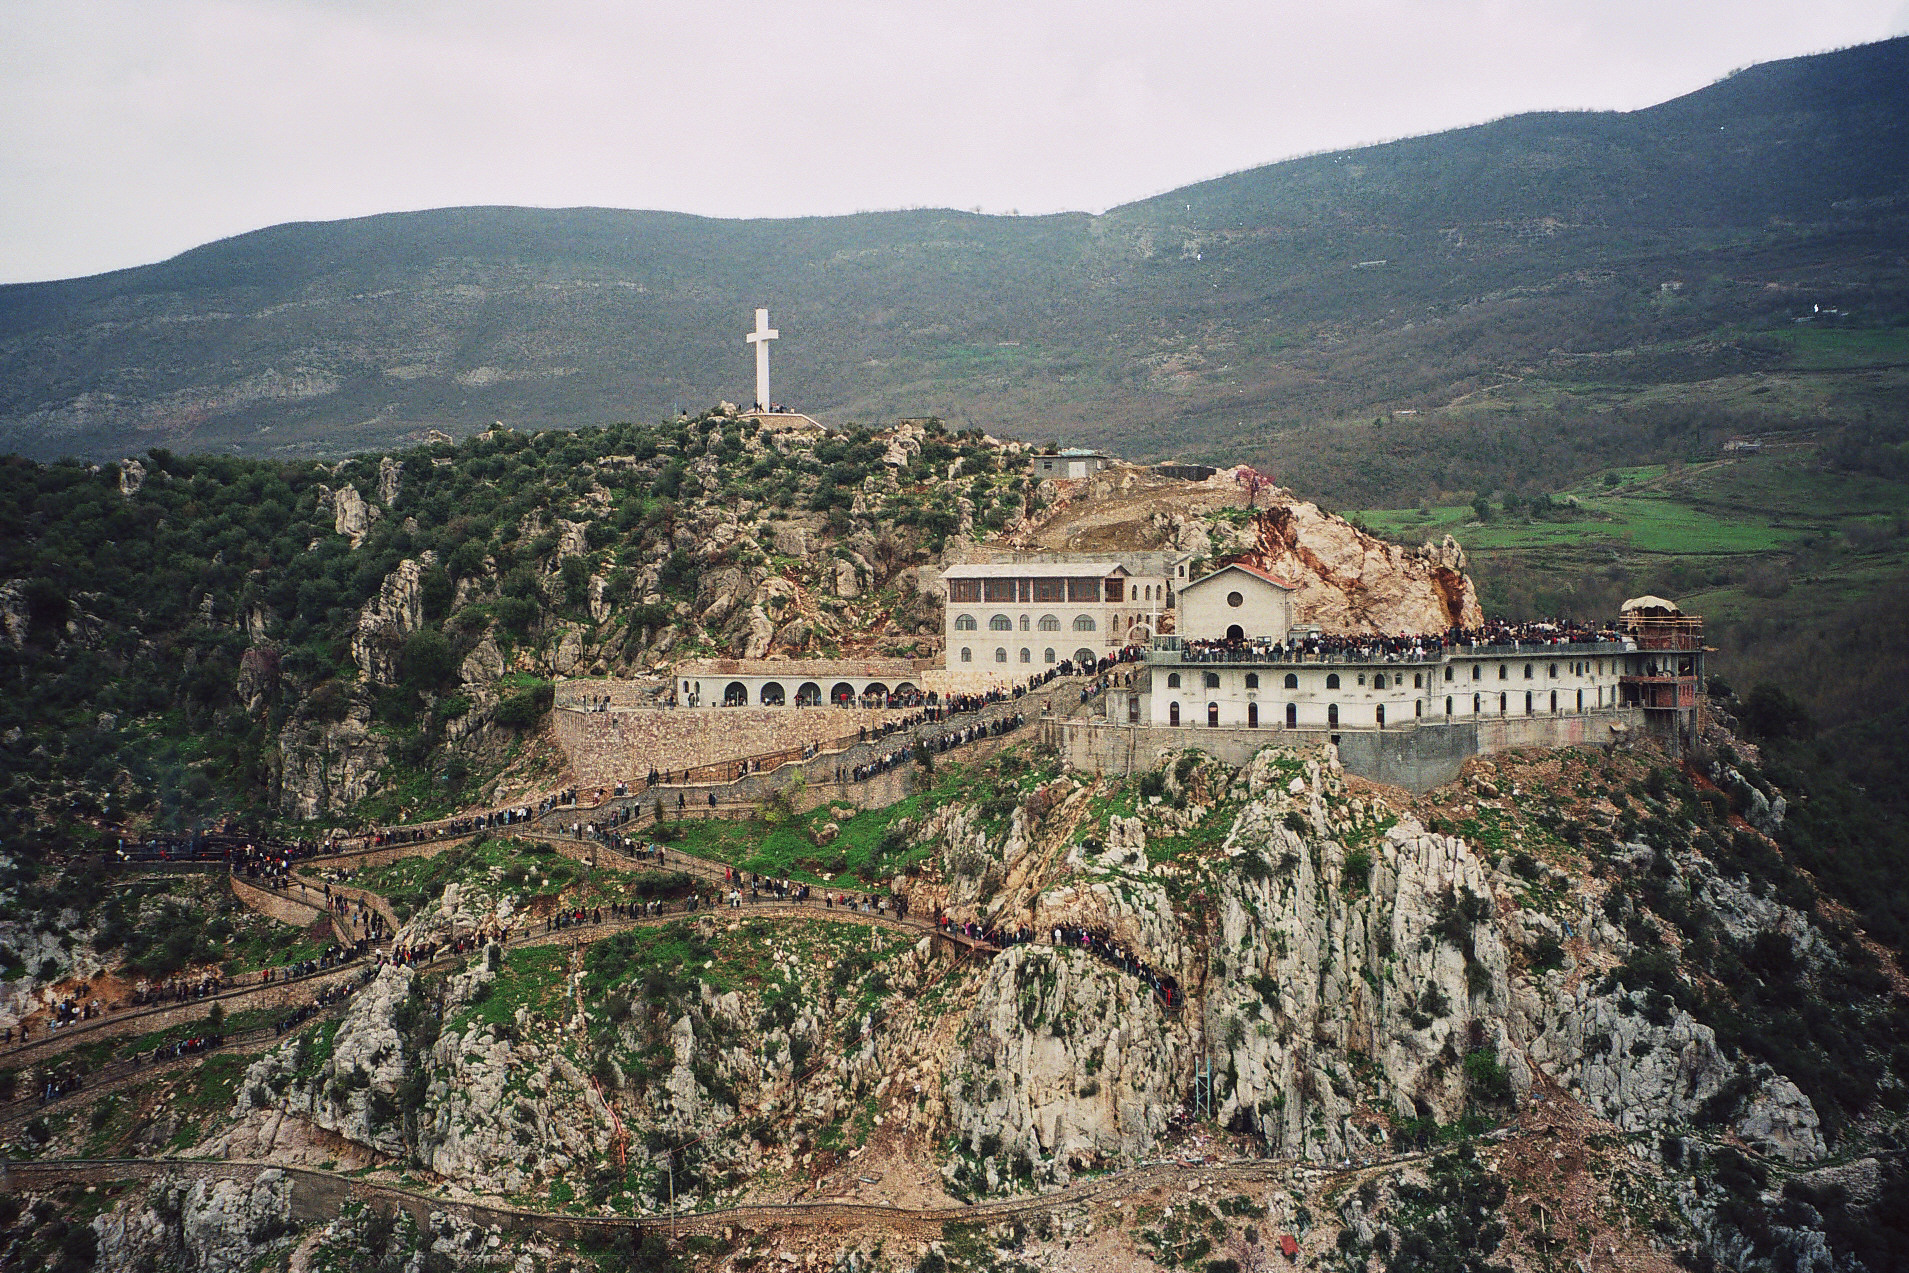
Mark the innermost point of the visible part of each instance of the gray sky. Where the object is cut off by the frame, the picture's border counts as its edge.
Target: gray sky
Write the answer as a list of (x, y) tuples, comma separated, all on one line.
[(130, 131)]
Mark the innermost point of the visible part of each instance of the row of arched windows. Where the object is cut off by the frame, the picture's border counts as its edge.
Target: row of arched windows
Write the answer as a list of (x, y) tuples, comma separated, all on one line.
[(1002, 623)]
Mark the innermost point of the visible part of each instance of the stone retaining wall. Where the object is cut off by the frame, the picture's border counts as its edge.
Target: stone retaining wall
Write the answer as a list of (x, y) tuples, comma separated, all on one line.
[(1416, 756), (273, 902), (134, 1021), (605, 747)]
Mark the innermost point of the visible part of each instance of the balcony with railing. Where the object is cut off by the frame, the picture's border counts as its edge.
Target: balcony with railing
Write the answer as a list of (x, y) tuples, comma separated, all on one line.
[(1173, 651)]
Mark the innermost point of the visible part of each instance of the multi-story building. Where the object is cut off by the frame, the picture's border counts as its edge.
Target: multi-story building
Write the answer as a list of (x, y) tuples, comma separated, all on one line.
[(1236, 661), (1005, 621)]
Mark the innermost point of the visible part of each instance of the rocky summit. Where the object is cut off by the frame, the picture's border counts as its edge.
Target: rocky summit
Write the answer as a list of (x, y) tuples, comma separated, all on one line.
[(408, 868)]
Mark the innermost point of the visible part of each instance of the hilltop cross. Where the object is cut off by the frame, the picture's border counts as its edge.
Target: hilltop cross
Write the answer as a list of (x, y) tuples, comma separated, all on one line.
[(760, 338)]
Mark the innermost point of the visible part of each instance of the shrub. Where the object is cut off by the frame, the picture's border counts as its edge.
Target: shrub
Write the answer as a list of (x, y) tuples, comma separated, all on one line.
[(1486, 1078), (524, 710)]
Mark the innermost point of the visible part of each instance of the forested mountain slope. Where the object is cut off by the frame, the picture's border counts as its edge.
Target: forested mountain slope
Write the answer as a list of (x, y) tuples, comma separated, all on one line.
[(1532, 252)]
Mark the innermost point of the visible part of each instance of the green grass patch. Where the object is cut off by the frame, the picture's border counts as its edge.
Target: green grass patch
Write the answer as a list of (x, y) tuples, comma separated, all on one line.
[(532, 977)]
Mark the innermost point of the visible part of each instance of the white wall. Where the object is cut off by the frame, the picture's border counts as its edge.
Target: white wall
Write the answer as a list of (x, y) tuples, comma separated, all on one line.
[(1412, 691), (1264, 611)]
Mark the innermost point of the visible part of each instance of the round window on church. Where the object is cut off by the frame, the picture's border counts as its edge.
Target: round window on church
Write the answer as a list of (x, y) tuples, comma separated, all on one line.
[(1235, 600)]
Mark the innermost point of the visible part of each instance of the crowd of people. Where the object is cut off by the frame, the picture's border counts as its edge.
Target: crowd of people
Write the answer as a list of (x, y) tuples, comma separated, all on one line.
[(178, 989), (331, 957), (1098, 943), (1405, 647), (187, 1047)]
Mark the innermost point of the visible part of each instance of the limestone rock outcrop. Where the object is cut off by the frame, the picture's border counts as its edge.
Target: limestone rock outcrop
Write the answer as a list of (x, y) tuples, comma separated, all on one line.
[(390, 480), (1067, 1062), (351, 515), (1349, 581), (211, 1226), (387, 619)]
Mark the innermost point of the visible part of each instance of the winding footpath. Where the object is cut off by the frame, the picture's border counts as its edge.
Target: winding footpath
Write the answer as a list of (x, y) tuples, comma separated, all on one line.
[(319, 1195), (323, 1193)]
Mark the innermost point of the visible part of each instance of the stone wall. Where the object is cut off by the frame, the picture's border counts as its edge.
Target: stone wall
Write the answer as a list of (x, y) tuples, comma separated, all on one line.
[(270, 901), (278, 994), (1416, 757), (603, 747)]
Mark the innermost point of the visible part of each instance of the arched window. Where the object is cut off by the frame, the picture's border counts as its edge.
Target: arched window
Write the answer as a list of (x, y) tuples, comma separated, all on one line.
[(1212, 715), (1212, 680), (1047, 655), (1478, 672), (735, 694), (841, 692), (1027, 655), (965, 623), (1449, 671), (1050, 624), (1378, 682), (1580, 700), (1418, 680), (1552, 671), (1332, 680), (967, 655), (1379, 715), (1085, 623), (1292, 680), (1252, 680), (1173, 680), (1252, 716), (875, 694), (1024, 623), (1501, 704), (1000, 654), (1554, 700), (1085, 658), (1332, 715), (1173, 713), (809, 694), (1448, 704), (1418, 707), (1475, 701), (1527, 702), (1292, 716), (1000, 623), (771, 695), (1503, 671), (1529, 668)]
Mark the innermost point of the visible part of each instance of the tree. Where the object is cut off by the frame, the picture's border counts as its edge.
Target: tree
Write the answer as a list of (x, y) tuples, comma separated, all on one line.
[(1770, 712), (427, 660), (1481, 508)]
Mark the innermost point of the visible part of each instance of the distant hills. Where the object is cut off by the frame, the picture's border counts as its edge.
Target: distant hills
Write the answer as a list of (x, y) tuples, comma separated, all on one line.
[(1521, 264)]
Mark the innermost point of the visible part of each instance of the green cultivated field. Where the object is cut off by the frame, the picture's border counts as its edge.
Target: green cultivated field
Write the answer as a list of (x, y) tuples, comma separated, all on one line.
[(1792, 563)]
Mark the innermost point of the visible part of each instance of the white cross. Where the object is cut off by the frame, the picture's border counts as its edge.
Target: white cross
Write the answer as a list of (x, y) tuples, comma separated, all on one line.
[(760, 338)]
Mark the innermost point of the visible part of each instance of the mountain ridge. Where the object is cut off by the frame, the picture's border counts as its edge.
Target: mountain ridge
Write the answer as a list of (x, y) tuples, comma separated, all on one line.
[(1152, 328)]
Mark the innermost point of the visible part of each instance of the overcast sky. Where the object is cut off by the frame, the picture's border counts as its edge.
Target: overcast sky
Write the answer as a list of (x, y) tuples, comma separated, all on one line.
[(132, 131)]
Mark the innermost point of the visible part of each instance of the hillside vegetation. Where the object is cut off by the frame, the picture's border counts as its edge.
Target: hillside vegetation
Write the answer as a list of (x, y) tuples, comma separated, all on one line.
[(1550, 293)]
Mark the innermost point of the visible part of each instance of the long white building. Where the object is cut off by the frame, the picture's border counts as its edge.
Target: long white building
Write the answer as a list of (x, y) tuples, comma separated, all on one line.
[(1231, 665)]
